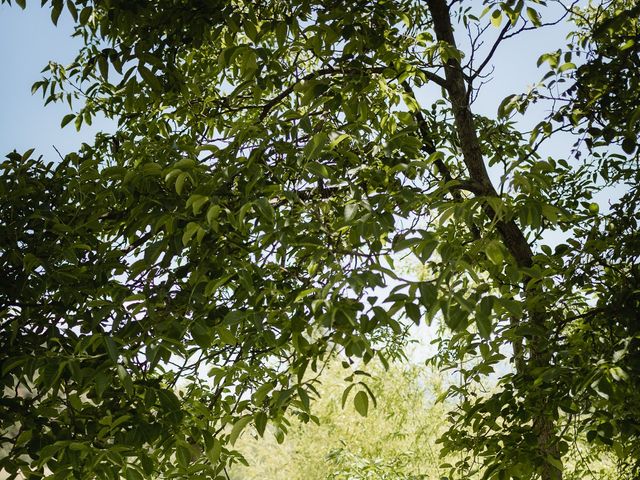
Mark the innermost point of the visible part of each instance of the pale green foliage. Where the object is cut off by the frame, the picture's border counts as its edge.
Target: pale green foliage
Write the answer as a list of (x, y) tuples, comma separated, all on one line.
[(396, 440)]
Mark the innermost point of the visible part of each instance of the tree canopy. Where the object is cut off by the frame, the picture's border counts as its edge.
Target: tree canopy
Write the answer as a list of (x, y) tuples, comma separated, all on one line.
[(187, 276)]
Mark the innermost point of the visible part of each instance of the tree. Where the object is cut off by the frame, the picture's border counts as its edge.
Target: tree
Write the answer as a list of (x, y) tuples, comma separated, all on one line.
[(604, 354), (270, 160), (397, 439)]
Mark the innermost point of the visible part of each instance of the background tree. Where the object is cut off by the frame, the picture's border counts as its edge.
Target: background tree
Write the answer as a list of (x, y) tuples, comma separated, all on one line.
[(269, 161), (396, 439)]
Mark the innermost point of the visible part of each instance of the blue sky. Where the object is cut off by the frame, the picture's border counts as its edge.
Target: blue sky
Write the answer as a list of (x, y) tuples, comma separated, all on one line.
[(29, 40)]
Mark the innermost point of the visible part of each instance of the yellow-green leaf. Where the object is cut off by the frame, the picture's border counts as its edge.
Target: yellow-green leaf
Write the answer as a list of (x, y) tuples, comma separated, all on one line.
[(496, 18), (237, 428), (494, 252)]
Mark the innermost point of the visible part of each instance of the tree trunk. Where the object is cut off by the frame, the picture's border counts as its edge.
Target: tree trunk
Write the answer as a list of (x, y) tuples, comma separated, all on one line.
[(512, 236)]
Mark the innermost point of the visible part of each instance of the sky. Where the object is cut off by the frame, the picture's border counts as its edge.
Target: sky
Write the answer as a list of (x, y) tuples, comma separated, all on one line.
[(28, 40)]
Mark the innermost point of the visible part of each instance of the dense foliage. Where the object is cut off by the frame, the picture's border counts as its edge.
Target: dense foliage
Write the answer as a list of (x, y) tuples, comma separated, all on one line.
[(189, 274)]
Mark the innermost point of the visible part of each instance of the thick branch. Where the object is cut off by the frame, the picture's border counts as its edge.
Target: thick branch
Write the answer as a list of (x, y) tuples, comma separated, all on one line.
[(512, 236)]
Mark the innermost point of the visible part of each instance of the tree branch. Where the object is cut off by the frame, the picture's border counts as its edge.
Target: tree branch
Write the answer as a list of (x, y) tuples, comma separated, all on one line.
[(513, 237), (267, 107)]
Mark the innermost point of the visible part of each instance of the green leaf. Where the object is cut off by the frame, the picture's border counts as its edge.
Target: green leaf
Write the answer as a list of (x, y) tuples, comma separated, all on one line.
[(339, 138), (435, 156), (24, 437), (111, 348), (316, 144), (350, 211), (261, 393), (265, 209), (248, 64), (226, 336), (27, 154), (567, 66), (189, 231), (85, 14), (428, 294), (557, 463), (238, 427), (506, 106), (281, 33), (185, 164), (149, 78), (212, 216), (213, 453), (183, 455), (100, 383), (103, 66), (413, 312), (318, 169), (426, 248), (66, 119), (75, 401), (261, 423), (305, 293), (633, 120), (629, 145), (197, 202), (125, 378), (132, 474), (533, 16), (180, 182), (494, 252), (345, 394), (361, 403), (483, 317), (56, 10), (71, 6)]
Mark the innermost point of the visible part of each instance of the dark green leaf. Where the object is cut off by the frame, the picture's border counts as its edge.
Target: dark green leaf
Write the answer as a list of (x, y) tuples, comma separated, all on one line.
[(361, 403)]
